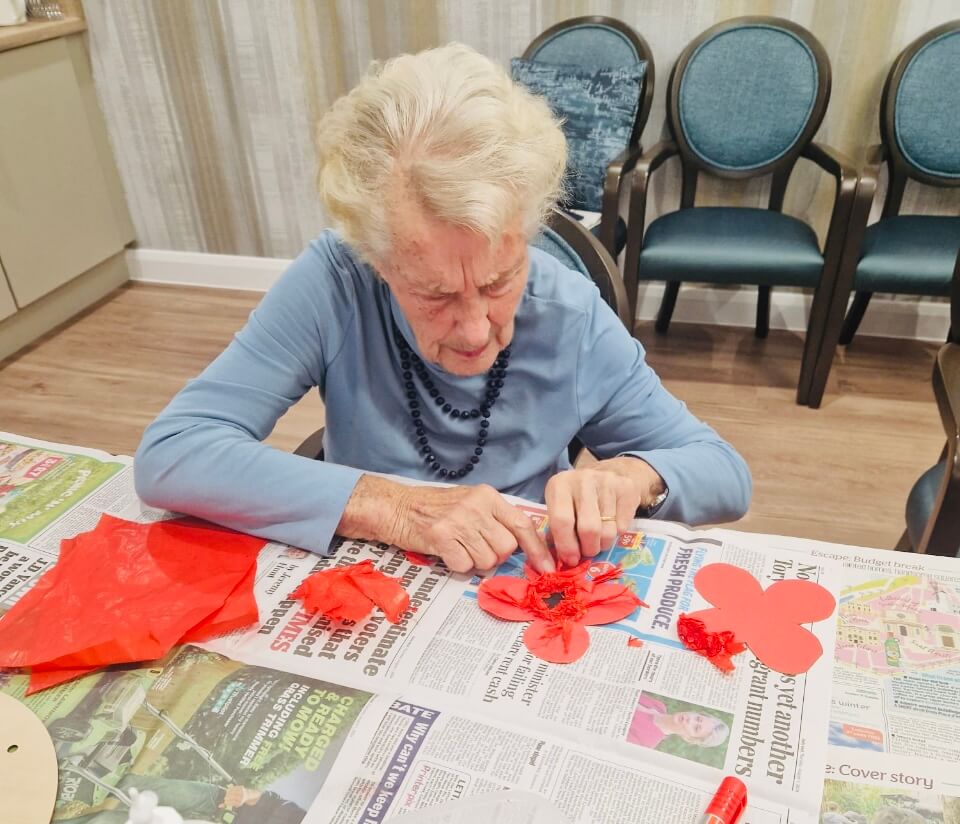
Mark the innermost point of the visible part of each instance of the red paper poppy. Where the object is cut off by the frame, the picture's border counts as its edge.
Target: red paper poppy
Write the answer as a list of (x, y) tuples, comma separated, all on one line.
[(560, 605)]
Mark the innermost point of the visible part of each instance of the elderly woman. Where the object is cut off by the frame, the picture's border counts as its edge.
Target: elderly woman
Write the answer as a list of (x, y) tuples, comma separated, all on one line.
[(445, 349)]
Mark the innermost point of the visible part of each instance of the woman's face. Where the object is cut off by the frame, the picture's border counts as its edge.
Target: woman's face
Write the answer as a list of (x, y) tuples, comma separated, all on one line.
[(458, 293), (695, 726)]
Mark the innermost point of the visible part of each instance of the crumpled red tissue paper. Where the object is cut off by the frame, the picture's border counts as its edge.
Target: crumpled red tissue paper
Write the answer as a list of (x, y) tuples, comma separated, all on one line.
[(127, 592), (349, 593)]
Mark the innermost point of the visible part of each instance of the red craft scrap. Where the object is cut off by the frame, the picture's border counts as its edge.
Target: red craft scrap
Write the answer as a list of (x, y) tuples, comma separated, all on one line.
[(349, 593), (716, 647), (127, 592), (417, 559), (769, 621), (560, 605)]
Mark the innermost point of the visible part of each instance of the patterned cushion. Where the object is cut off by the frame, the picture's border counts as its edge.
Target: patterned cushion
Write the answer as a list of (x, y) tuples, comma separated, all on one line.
[(599, 108)]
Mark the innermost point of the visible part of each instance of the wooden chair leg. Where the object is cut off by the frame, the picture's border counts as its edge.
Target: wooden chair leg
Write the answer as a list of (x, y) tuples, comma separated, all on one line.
[(855, 314), (763, 312), (904, 545), (666, 306)]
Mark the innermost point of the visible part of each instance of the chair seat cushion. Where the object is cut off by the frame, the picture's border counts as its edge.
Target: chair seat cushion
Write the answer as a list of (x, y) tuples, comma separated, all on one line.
[(716, 244), (920, 502), (909, 254), (599, 109)]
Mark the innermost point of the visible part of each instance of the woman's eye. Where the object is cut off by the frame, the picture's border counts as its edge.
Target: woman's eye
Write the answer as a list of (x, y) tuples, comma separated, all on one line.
[(497, 289)]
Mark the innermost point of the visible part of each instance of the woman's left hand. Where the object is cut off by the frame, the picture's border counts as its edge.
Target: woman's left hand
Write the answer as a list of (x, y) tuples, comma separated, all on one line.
[(589, 507)]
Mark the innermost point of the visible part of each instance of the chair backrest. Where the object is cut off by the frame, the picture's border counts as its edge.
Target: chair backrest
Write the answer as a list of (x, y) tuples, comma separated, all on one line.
[(597, 42), (568, 241), (745, 98), (920, 114)]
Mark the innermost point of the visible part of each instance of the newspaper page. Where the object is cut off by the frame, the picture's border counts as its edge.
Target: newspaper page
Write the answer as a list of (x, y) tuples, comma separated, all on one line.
[(866, 787), (895, 709), (450, 656), (896, 684), (216, 739), (418, 756)]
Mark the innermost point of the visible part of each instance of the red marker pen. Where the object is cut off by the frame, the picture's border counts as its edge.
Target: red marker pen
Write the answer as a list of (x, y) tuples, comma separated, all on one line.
[(728, 803)]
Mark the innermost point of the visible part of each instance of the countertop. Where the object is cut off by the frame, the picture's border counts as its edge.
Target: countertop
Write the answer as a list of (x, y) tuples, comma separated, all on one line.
[(36, 31)]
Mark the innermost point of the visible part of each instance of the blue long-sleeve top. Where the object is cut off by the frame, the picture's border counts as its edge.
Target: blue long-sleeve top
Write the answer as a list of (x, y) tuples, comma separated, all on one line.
[(574, 370)]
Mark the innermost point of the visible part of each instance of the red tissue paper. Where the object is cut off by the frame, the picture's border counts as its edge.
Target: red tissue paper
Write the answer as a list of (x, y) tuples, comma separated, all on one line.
[(349, 593), (770, 620), (127, 592), (716, 647), (560, 605), (417, 559)]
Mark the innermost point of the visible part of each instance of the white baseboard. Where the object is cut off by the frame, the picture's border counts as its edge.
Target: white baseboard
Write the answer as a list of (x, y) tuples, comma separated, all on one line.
[(911, 319), (201, 269)]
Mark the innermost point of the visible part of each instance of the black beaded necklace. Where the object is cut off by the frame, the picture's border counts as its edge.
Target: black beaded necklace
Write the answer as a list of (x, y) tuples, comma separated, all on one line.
[(411, 363)]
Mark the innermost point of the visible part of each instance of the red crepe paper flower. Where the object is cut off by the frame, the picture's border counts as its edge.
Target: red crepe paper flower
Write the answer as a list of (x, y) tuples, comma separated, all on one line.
[(349, 593), (560, 605), (716, 647)]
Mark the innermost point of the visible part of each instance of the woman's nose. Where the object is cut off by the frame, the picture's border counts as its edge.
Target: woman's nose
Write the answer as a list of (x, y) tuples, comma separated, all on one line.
[(474, 324)]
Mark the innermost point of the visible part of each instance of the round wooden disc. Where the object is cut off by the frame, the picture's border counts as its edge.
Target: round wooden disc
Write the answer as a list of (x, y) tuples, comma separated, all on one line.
[(28, 765)]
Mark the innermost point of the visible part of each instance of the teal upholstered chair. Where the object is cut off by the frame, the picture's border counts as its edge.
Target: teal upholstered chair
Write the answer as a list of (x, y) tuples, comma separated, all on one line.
[(920, 134), (577, 249), (933, 506), (745, 99), (598, 74)]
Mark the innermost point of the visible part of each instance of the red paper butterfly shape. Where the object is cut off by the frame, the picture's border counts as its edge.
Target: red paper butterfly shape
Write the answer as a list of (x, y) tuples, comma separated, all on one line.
[(767, 620)]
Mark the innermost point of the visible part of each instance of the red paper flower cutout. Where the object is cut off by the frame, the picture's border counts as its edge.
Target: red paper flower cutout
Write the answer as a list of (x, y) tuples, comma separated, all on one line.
[(716, 647), (769, 621), (349, 593), (560, 605)]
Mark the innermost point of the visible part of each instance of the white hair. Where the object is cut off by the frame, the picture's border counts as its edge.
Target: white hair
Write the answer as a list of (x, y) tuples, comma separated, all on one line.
[(717, 735), (447, 129)]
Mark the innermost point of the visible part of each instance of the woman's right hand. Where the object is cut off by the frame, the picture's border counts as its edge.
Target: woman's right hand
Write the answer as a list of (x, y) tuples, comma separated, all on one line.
[(469, 527)]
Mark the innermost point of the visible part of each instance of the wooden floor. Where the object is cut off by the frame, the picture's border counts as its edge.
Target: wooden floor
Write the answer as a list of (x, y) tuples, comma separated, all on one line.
[(840, 473)]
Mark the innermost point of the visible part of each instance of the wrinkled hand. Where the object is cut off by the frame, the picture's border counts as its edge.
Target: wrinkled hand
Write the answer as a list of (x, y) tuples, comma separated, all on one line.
[(469, 527), (589, 507)]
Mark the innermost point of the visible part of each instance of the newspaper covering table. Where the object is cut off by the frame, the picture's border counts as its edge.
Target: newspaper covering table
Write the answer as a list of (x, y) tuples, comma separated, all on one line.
[(298, 720), (894, 754)]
